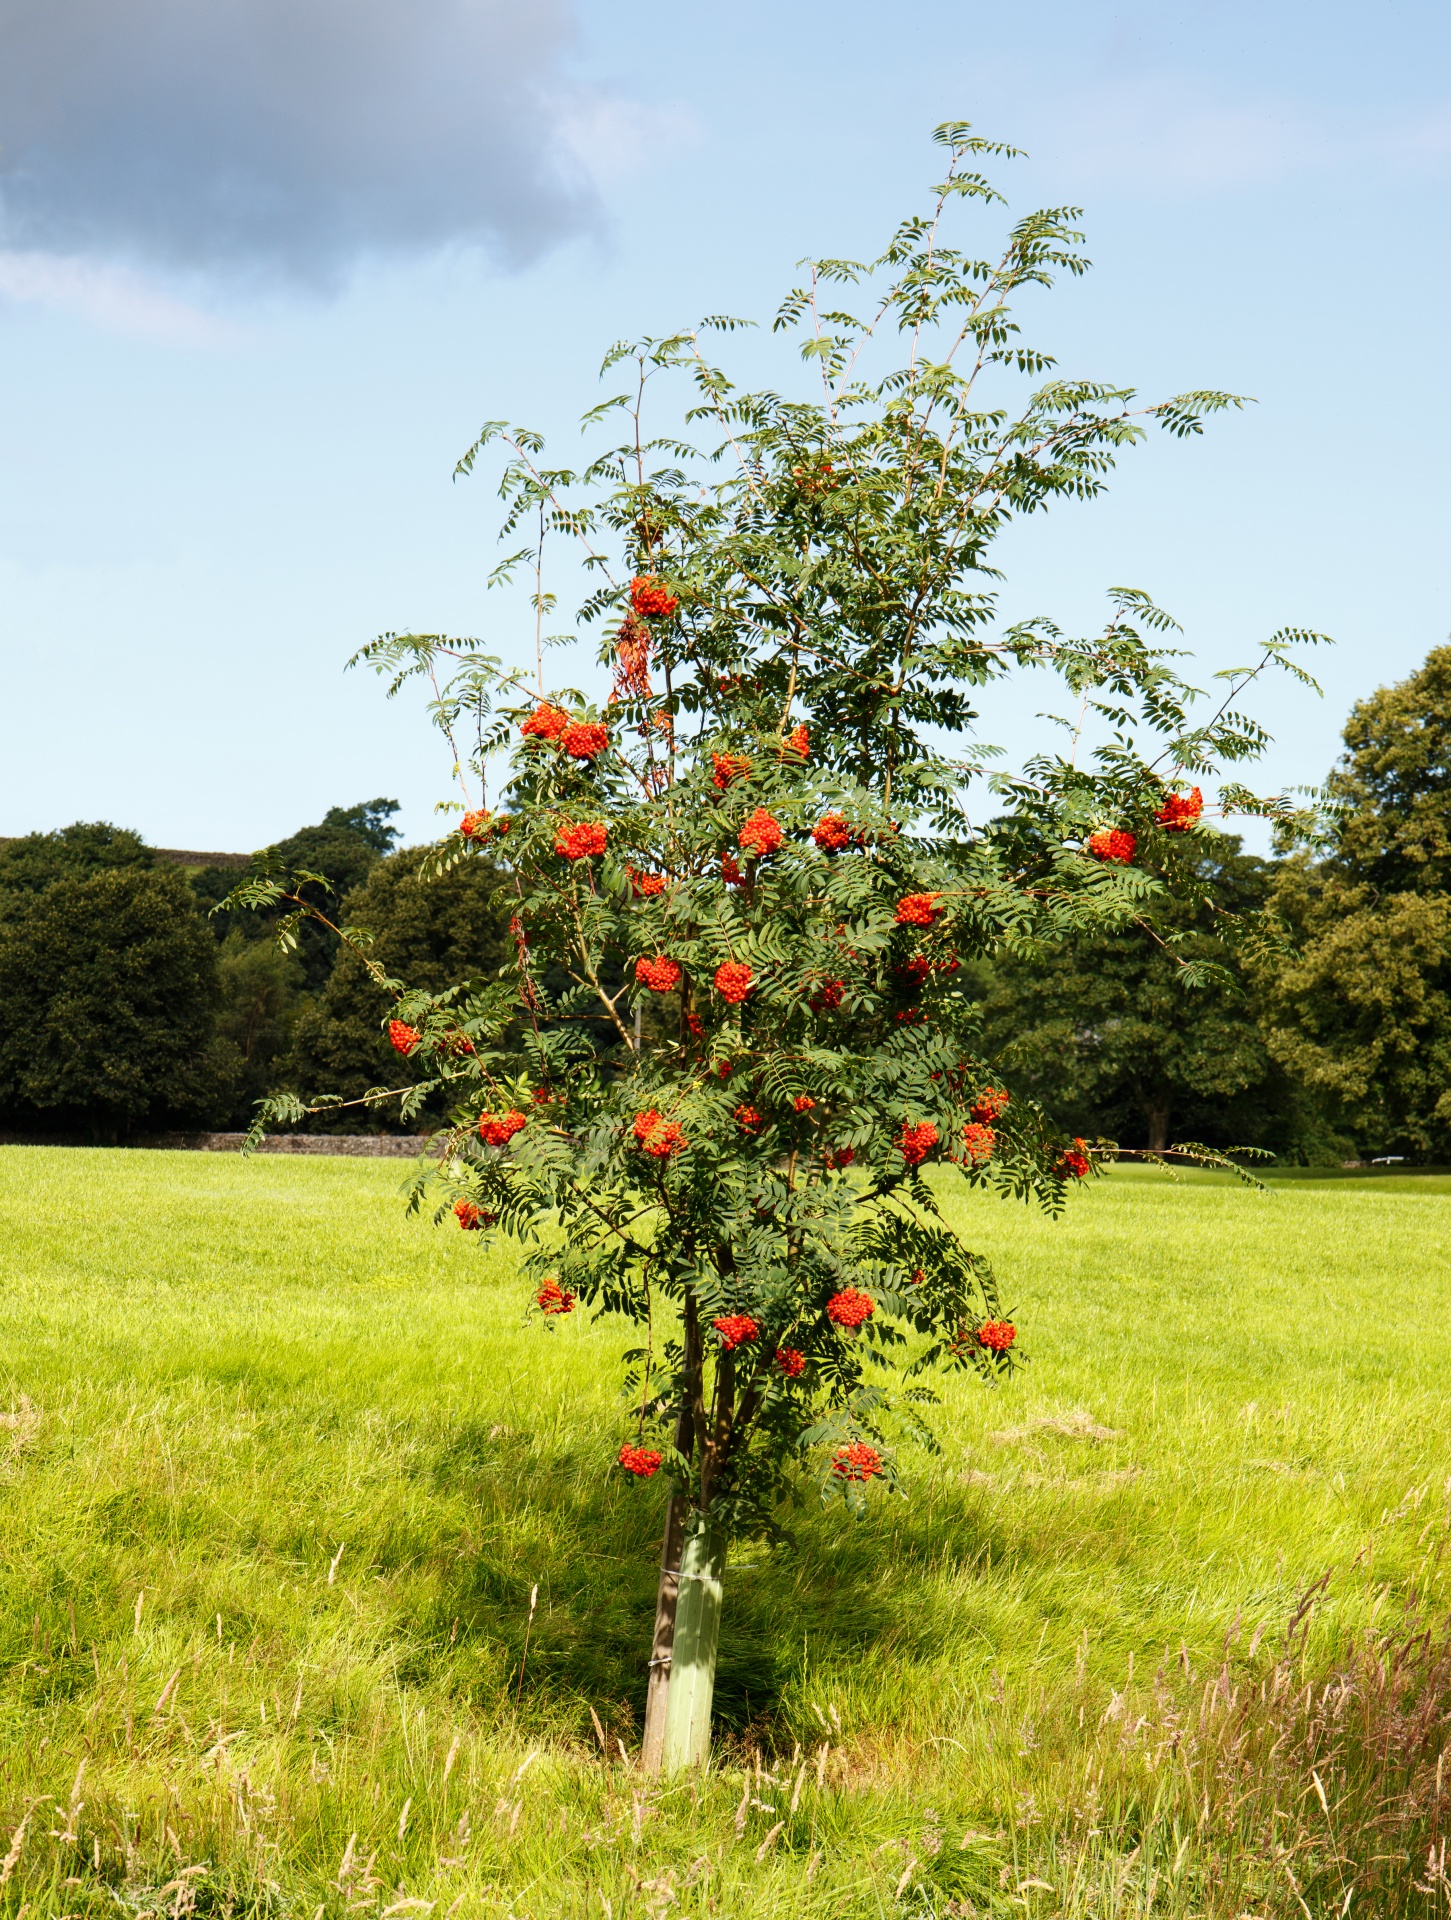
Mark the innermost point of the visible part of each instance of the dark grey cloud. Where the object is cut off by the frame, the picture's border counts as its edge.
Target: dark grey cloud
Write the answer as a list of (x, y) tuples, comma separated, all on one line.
[(285, 135)]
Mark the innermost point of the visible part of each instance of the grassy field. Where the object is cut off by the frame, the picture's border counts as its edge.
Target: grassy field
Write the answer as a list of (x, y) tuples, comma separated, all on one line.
[(279, 1471)]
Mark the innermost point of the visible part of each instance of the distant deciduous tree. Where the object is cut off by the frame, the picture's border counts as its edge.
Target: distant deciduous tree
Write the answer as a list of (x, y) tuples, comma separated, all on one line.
[(1362, 1014), (108, 999)]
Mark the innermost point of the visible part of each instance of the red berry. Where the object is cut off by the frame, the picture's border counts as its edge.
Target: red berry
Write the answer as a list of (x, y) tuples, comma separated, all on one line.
[(584, 739), (735, 1329), (498, 1129), (645, 886), (470, 1217), (642, 1461), (790, 1361), (554, 1298), (803, 1103), (545, 723), (761, 834), (404, 1038), (827, 996), (1112, 845), (730, 872), (660, 976), (733, 981), (857, 1461), (997, 1335), (650, 599), (748, 1119), (1074, 1161), (579, 840), (1180, 811), (917, 1142), (729, 767), (989, 1104), (831, 832), (850, 1307), (798, 740), (835, 1158), (918, 909), (659, 1137), (978, 1144)]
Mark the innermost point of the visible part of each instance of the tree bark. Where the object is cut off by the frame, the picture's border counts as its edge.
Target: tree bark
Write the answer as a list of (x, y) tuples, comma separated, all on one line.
[(697, 1639), (667, 1595), (1158, 1119)]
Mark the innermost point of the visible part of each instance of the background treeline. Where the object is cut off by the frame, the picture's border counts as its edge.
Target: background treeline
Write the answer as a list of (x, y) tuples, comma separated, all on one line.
[(127, 1006)]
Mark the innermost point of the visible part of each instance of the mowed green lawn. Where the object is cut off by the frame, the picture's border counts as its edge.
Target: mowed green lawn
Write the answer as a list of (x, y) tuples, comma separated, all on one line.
[(281, 1469)]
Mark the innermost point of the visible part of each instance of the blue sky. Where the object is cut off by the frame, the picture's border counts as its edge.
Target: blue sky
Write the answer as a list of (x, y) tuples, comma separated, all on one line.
[(265, 266)]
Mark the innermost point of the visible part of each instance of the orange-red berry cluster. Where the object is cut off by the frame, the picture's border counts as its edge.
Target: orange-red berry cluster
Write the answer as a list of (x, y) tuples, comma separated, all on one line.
[(856, 1462), (645, 886), (498, 1129), (728, 767), (832, 832), (991, 1102), (748, 1119), (545, 723), (918, 910), (850, 1307), (791, 1363), (661, 975), (735, 1329), (650, 599), (1112, 845), (659, 1137), (471, 1218), (798, 740), (835, 1158), (1074, 1160), (826, 997), (401, 1037), (1180, 811), (554, 1298), (761, 834), (978, 1144), (997, 1335), (581, 839), (640, 1460), (733, 981), (917, 1142), (585, 739)]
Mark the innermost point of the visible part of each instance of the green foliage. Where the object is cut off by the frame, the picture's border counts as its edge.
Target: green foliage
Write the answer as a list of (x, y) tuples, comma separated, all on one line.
[(253, 1390), (798, 611), (32, 863), (1108, 1035), (1361, 1012), (260, 1000), (434, 934), (108, 985), (340, 851)]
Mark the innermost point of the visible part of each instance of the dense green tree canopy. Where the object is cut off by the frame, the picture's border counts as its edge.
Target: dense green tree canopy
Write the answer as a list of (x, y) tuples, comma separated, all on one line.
[(31, 863), (1361, 1013), (108, 988)]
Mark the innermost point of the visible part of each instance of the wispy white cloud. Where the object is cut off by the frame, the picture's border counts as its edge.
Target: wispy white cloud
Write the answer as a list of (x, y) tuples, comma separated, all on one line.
[(115, 298)]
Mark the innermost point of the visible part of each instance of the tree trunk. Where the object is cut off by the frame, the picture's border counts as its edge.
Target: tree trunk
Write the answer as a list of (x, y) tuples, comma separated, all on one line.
[(667, 1594), (697, 1638), (1158, 1119)]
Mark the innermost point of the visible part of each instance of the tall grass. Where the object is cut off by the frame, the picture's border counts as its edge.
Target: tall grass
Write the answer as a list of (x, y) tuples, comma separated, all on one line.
[(279, 1472)]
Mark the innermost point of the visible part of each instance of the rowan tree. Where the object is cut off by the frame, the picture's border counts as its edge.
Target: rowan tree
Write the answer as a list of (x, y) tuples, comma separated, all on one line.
[(764, 838)]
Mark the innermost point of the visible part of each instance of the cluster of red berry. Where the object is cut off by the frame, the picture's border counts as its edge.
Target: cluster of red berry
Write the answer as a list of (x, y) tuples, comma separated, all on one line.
[(832, 832), (850, 1307), (997, 1335), (728, 767), (640, 1460), (404, 1039), (581, 839), (791, 1363), (650, 599), (645, 886), (735, 1329), (730, 872), (498, 1129), (978, 1144), (545, 723), (991, 1102), (554, 1298), (803, 1103), (917, 1142), (585, 739), (1112, 845), (478, 825), (1074, 1160), (916, 969), (826, 997), (918, 910), (661, 975), (748, 1119), (798, 740), (733, 981), (658, 1136), (835, 1158), (856, 1462), (1180, 811), (471, 1218), (761, 834)]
